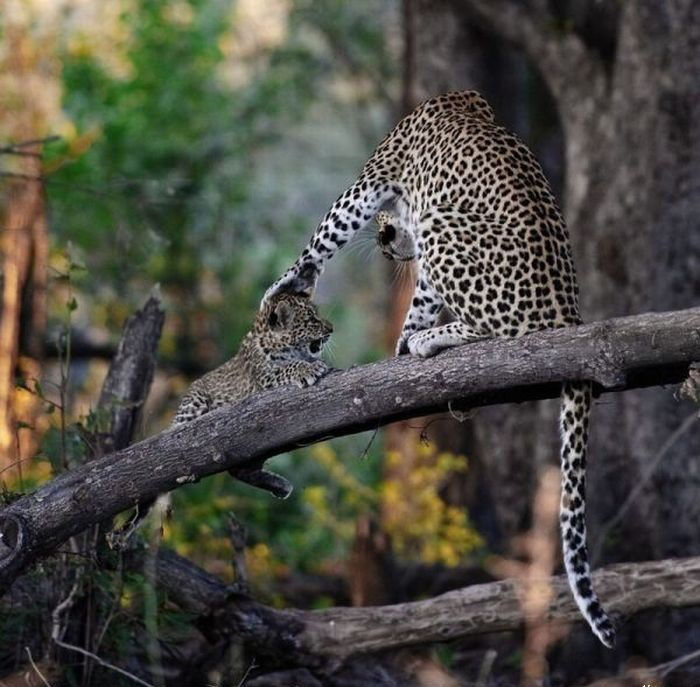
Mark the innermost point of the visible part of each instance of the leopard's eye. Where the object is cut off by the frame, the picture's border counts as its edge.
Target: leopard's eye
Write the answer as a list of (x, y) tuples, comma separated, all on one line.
[(387, 235)]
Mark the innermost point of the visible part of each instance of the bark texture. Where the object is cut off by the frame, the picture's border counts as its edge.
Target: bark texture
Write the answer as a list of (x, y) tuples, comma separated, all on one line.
[(328, 637), (625, 80), (624, 353), (130, 374)]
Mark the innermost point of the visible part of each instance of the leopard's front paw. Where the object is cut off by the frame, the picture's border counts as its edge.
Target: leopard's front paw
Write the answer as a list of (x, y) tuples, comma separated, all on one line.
[(300, 278), (310, 373), (424, 344)]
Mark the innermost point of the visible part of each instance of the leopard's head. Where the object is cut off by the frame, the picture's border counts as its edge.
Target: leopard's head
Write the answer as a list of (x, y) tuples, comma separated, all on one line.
[(395, 242), (291, 321)]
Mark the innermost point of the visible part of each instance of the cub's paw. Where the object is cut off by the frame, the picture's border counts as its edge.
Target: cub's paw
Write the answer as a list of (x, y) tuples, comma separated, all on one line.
[(424, 344), (309, 373)]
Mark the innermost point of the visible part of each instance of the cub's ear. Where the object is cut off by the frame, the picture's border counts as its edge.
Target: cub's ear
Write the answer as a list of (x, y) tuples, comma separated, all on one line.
[(281, 316)]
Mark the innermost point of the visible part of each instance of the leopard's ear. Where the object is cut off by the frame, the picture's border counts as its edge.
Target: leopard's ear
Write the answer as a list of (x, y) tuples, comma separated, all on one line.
[(281, 316)]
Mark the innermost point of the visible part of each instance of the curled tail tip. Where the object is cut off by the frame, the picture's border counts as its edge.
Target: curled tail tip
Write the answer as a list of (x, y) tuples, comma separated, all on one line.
[(592, 610), (605, 632)]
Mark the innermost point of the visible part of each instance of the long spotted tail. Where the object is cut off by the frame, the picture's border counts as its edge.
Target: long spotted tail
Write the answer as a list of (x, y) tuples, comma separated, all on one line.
[(575, 410)]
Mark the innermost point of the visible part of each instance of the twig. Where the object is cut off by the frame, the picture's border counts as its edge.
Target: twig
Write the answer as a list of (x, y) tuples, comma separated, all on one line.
[(36, 668), (102, 662), (30, 142), (364, 453), (19, 153), (62, 606), (16, 463), (23, 177), (115, 603), (238, 535), (641, 483), (486, 668), (644, 676), (247, 672), (664, 669)]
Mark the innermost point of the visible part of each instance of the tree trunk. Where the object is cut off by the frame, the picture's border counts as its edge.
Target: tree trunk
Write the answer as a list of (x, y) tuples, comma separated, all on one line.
[(630, 115), (24, 251), (637, 247)]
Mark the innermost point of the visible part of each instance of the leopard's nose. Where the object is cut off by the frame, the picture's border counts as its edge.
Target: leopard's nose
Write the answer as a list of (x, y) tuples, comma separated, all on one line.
[(328, 326), (387, 235)]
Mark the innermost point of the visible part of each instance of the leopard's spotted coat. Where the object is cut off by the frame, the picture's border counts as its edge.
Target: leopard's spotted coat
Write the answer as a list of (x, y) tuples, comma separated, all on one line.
[(492, 248)]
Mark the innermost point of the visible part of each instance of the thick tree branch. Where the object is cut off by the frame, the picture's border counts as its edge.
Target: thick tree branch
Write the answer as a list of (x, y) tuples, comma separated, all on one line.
[(644, 350), (314, 638), (627, 588)]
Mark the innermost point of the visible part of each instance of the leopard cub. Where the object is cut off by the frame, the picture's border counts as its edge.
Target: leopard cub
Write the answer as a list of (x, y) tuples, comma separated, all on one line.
[(283, 347)]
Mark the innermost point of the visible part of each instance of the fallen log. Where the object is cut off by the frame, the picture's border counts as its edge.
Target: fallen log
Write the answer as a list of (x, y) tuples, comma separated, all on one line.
[(324, 639)]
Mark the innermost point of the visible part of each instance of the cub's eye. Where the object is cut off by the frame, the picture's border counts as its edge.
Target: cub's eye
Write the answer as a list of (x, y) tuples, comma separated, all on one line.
[(315, 346), (387, 235)]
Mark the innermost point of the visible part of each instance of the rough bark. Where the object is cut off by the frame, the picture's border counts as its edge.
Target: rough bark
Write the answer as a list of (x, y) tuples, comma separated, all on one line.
[(632, 147), (618, 354), (327, 637), (626, 588), (334, 643), (130, 374)]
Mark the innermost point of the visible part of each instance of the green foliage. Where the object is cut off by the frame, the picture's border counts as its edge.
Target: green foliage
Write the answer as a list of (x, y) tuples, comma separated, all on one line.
[(157, 183), (177, 174), (289, 534)]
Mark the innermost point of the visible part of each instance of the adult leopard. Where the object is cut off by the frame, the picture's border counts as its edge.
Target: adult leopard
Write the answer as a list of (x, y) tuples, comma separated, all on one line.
[(475, 209)]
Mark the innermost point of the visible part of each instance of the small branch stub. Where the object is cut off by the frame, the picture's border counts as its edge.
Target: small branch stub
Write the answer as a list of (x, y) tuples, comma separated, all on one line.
[(12, 537)]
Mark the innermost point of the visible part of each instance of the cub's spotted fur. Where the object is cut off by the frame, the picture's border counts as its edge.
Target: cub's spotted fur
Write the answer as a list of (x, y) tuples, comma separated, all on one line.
[(282, 348), (474, 208)]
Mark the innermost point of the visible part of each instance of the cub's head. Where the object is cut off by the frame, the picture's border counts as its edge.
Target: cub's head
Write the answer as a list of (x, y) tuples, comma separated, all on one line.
[(291, 320), (395, 242)]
